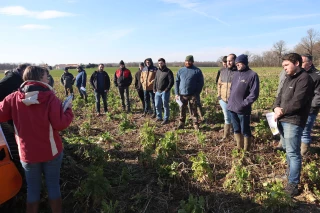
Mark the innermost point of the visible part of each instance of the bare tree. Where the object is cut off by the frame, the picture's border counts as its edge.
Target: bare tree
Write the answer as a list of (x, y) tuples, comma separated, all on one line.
[(308, 42), (279, 48)]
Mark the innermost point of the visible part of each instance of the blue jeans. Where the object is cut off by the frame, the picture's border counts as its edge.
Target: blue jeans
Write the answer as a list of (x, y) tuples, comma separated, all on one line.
[(148, 94), (51, 171), (290, 135), (306, 134), (241, 124), (226, 113), (103, 95), (162, 99)]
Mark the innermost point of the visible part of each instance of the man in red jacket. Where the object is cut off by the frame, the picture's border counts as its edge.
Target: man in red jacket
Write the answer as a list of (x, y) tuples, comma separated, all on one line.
[(122, 80)]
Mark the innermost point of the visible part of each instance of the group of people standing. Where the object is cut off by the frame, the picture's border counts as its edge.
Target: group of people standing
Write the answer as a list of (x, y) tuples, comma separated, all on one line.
[(295, 109), (40, 146)]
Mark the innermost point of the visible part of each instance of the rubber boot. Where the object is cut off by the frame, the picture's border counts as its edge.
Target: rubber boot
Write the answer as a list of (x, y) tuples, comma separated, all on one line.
[(56, 205), (239, 139), (247, 143), (304, 148), (226, 132)]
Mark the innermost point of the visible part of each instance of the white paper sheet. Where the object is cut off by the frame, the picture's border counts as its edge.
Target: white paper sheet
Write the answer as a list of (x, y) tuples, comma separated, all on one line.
[(66, 102), (272, 124), (179, 102)]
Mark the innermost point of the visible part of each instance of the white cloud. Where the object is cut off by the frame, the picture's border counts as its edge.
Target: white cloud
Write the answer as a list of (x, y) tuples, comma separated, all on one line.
[(21, 11), (195, 6), (35, 27)]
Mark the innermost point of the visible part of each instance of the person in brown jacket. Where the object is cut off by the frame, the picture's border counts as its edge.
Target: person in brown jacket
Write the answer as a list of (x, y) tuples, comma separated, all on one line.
[(224, 85), (148, 75)]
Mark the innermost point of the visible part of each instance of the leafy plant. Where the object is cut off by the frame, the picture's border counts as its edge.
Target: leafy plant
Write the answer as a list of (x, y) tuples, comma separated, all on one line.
[(201, 168), (238, 179), (312, 172), (109, 207), (193, 205), (273, 196)]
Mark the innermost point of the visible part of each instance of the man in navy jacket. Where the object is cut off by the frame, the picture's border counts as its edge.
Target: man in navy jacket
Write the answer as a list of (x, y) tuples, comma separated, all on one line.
[(244, 91), (189, 83)]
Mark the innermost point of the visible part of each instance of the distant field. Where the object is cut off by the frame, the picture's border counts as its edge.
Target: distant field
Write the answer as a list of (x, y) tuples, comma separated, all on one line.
[(260, 70)]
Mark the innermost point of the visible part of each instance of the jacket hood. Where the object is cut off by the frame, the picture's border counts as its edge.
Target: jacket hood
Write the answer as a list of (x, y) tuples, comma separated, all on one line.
[(34, 92), (151, 62)]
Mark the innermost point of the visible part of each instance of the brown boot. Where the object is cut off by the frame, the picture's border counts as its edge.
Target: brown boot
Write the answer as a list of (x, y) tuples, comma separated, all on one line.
[(56, 205), (247, 143), (226, 132), (239, 139), (304, 148), (32, 207)]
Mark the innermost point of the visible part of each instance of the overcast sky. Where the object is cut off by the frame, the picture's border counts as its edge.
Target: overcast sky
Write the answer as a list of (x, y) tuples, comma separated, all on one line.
[(94, 31)]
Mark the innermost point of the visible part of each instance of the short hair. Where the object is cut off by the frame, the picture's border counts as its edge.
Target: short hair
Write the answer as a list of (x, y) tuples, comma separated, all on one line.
[(34, 73), (224, 59), (162, 59), (101, 64), (22, 67), (307, 55), (293, 58), (233, 55)]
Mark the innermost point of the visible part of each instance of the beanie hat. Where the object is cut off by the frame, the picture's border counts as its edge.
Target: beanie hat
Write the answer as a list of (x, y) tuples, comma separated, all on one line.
[(142, 64), (189, 58), (243, 59), (121, 63)]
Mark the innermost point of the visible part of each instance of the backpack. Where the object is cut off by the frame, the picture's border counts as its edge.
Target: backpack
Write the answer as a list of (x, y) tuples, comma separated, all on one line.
[(10, 178)]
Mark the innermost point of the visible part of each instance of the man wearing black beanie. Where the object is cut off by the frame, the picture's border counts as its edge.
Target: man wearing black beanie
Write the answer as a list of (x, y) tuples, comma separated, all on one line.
[(122, 80), (243, 92)]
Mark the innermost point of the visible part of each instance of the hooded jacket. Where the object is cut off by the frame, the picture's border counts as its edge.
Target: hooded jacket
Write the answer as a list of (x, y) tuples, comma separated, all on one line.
[(164, 80), (244, 91), (38, 117), (224, 83), (295, 98), (189, 81), (122, 77), (148, 75)]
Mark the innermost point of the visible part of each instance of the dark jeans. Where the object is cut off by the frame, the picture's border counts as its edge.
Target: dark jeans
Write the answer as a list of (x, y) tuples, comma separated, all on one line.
[(82, 93), (124, 94), (67, 90), (241, 124), (147, 95), (190, 100), (141, 96), (103, 95)]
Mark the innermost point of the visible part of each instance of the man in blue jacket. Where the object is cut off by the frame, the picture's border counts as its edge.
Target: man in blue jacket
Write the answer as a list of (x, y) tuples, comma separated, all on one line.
[(189, 83), (244, 91), (81, 80)]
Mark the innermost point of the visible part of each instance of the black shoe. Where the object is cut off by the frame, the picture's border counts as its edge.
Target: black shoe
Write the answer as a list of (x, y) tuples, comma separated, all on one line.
[(159, 119), (291, 189), (164, 122)]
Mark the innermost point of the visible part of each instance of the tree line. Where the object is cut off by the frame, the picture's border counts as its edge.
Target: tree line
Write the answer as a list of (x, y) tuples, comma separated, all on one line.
[(309, 44)]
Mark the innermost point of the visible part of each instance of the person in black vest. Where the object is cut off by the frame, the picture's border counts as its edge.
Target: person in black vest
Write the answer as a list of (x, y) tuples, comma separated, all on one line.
[(67, 81), (122, 80), (100, 83)]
